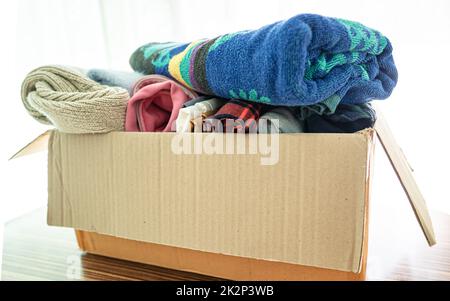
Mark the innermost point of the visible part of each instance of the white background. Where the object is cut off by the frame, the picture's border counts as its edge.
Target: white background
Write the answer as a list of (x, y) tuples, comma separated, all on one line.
[(96, 33)]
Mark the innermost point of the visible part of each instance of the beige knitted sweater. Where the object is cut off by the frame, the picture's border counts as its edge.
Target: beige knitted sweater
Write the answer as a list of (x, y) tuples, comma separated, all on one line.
[(73, 103)]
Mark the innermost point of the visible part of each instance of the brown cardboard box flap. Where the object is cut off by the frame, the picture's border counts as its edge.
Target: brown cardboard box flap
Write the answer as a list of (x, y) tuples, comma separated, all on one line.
[(406, 177), (40, 143)]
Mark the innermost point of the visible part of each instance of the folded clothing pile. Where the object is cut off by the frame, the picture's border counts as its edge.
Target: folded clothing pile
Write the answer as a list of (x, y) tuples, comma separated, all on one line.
[(310, 73), (67, 98)]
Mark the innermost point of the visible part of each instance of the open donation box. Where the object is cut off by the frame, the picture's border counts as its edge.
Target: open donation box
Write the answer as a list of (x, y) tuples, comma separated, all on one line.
[(130, 196)]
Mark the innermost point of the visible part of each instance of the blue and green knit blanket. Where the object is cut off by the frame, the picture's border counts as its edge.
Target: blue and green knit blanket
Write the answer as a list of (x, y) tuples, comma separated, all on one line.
[(304, 60)]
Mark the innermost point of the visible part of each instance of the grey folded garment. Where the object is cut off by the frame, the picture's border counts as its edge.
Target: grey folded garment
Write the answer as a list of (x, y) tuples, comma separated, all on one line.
[(286, 122), (115, 78), (324, 108)]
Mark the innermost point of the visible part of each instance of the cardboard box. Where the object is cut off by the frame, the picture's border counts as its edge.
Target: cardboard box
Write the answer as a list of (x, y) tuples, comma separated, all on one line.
[(131, 196), (207, 263)]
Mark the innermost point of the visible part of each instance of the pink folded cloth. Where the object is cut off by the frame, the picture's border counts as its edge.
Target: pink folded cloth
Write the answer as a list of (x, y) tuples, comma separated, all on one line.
[(155, 104)]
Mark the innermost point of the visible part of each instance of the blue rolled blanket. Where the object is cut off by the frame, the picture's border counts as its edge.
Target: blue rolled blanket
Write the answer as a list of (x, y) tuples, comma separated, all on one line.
[(301, 61)]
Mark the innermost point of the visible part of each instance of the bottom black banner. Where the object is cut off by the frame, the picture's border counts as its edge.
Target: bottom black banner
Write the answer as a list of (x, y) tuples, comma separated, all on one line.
[(221, 290)]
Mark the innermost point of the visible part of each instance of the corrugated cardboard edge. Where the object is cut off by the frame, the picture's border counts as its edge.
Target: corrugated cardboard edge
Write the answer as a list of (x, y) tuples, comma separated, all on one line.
[(405, 175), (369, 175), (207, 263), (40, 143)]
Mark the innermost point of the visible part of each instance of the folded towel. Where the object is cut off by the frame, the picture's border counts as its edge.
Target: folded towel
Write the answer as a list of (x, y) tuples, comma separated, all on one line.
[(235, 116), (191, 117), (348, 118), (286, 122), (155, 104), (73, 103), (301, 61), (115, 78)]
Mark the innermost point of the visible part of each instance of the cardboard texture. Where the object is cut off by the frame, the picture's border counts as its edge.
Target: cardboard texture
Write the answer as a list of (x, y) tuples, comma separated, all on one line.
[(404, 173), (40, 143), (219, 265), (206, 263), (304, 218), (307, 209)]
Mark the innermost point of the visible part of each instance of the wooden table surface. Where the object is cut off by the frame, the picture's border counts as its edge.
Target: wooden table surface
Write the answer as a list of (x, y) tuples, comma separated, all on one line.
[(35, 251)]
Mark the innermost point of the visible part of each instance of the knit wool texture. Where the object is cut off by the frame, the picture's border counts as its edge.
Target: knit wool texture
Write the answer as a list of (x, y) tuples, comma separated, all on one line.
[(297, 62), (66, 98)]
